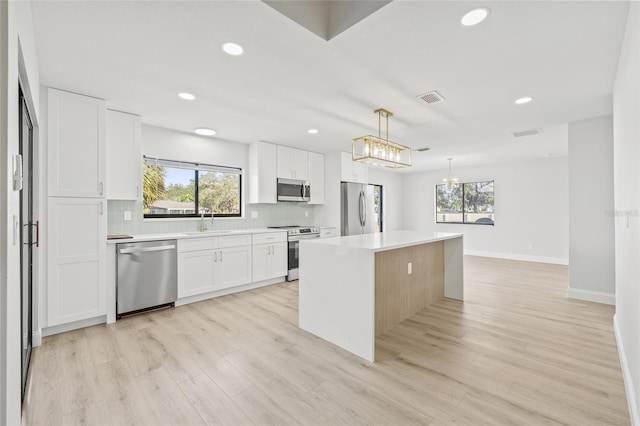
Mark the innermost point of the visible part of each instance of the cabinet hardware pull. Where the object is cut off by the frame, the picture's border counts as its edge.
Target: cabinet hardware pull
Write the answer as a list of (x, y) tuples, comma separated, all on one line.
[(215, 256), (101, 208), (101, 188), (220, 255)]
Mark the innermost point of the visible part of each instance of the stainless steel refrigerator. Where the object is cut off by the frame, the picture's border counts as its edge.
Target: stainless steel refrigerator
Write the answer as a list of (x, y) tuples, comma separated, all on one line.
[(360, 208)]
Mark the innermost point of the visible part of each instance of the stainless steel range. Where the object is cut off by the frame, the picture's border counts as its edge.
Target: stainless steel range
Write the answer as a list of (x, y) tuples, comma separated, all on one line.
[(294, 235)]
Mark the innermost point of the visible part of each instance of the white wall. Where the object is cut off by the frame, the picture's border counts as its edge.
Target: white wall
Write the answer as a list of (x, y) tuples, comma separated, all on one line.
[(591, 223), (531, 209), (18, 61), (626, 149)]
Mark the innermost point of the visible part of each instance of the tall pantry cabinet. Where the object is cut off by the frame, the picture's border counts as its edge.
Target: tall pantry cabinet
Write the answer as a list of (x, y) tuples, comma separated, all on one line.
[(76, 207)]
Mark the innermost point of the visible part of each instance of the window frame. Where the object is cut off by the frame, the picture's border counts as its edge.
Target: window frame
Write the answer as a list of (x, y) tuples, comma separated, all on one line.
[(195, 168), (463, 204)]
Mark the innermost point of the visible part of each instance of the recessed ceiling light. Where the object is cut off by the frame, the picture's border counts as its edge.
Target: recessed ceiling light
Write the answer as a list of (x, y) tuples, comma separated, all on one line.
[(524, 100), (204, 131), (475, 16), (186, 96), (313, 131), (233, 48)]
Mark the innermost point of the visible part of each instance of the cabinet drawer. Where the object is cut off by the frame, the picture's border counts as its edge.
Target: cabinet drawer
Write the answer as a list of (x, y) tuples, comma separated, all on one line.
[(327, 232), (195, 244), (272, 237), (234, 241)]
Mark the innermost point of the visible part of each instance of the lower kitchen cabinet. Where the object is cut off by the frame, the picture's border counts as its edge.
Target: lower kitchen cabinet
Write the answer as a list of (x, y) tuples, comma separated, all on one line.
[(269, 255), (196, 272), (203, 271), (234, 267), (76, 259)]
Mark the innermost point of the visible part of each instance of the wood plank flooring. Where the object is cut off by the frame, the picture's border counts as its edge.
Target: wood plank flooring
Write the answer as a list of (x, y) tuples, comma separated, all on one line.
[(516, 352)]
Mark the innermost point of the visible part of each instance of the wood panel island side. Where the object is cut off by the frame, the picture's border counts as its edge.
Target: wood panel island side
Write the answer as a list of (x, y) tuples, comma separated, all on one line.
[(353, 288)]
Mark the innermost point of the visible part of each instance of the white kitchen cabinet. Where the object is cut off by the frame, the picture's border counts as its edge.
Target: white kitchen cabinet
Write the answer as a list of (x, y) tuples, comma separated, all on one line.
[(124, 156), (213, 263), (328, 232), (76, 148), (76, 259), (262, 173), (352, 171), (196, 272), (316, 178), (269, 255), (233, 267), (292, 163)]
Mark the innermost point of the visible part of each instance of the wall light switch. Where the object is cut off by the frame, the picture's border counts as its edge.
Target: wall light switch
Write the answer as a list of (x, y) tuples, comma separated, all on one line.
[(127, 215), (254, 214), (409, 268)]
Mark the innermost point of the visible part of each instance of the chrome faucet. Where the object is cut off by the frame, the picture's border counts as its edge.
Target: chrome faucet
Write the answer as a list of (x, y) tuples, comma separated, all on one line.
[(203, 227), (211, 219)]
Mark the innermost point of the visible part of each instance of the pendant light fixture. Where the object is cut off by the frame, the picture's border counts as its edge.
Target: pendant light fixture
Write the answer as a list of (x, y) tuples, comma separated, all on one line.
[(450, 179), (379, 151)]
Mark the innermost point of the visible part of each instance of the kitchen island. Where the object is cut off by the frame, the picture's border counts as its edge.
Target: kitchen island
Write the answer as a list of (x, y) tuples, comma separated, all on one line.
[(356, 287)]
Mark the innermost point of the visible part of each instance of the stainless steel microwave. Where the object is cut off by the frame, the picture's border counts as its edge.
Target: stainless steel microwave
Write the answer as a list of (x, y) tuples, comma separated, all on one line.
[(293, 190)]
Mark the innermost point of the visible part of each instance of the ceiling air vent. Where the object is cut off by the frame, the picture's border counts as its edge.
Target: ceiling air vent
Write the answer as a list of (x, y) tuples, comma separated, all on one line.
[(426, 148), (527, 133), (431, 97)]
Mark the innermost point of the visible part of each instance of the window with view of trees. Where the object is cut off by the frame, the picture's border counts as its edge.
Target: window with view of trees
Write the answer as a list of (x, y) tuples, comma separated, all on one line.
[(182, 189), (470, 202)]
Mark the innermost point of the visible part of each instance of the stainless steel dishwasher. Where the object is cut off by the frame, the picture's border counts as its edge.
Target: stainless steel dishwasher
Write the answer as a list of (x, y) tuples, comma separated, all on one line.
[(147, 276)]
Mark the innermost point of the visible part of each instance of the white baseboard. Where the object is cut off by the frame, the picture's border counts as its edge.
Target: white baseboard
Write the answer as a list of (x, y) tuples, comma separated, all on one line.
[(591, 296), (62, 328), (526, 258), (36, 338), (629, 387)]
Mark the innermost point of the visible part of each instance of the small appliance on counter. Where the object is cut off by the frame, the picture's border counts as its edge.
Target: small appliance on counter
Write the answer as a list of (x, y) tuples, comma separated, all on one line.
[(294, 235)]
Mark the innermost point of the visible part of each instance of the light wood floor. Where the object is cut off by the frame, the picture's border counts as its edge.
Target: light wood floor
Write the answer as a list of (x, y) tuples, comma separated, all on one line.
[(516, 352)]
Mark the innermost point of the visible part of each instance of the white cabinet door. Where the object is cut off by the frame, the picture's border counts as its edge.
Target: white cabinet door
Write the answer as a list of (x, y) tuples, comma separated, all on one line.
[(262, 173), (278, 261), (76, 259), (269, 261), (234, 267), (261, 257), (76, 148), (316, 178), (292, 163), (124, 156), (196, 272), (300, 162), (352, 171)]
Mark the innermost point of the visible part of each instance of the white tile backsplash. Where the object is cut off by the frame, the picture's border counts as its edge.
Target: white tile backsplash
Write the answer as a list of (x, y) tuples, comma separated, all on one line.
[(281, 214)]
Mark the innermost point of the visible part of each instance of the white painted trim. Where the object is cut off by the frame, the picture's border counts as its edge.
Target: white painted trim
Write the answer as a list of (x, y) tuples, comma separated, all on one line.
[(226, 291), (48, 331), (36, 338), (526, 258), (591, 296), (626, 376)]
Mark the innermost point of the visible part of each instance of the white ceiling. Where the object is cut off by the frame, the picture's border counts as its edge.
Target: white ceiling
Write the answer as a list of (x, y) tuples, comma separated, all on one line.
[(139, 54)]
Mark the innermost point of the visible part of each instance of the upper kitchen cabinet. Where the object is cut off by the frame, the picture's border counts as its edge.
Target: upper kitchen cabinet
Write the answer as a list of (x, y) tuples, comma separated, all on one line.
[(76, 148), (262, 173), (292, 163), (352, 171), (124, 156), (316, 178)]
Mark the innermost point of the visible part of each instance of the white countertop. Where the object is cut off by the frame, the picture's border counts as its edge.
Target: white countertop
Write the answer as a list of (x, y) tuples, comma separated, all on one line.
[(385, 240), (193, 234)]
